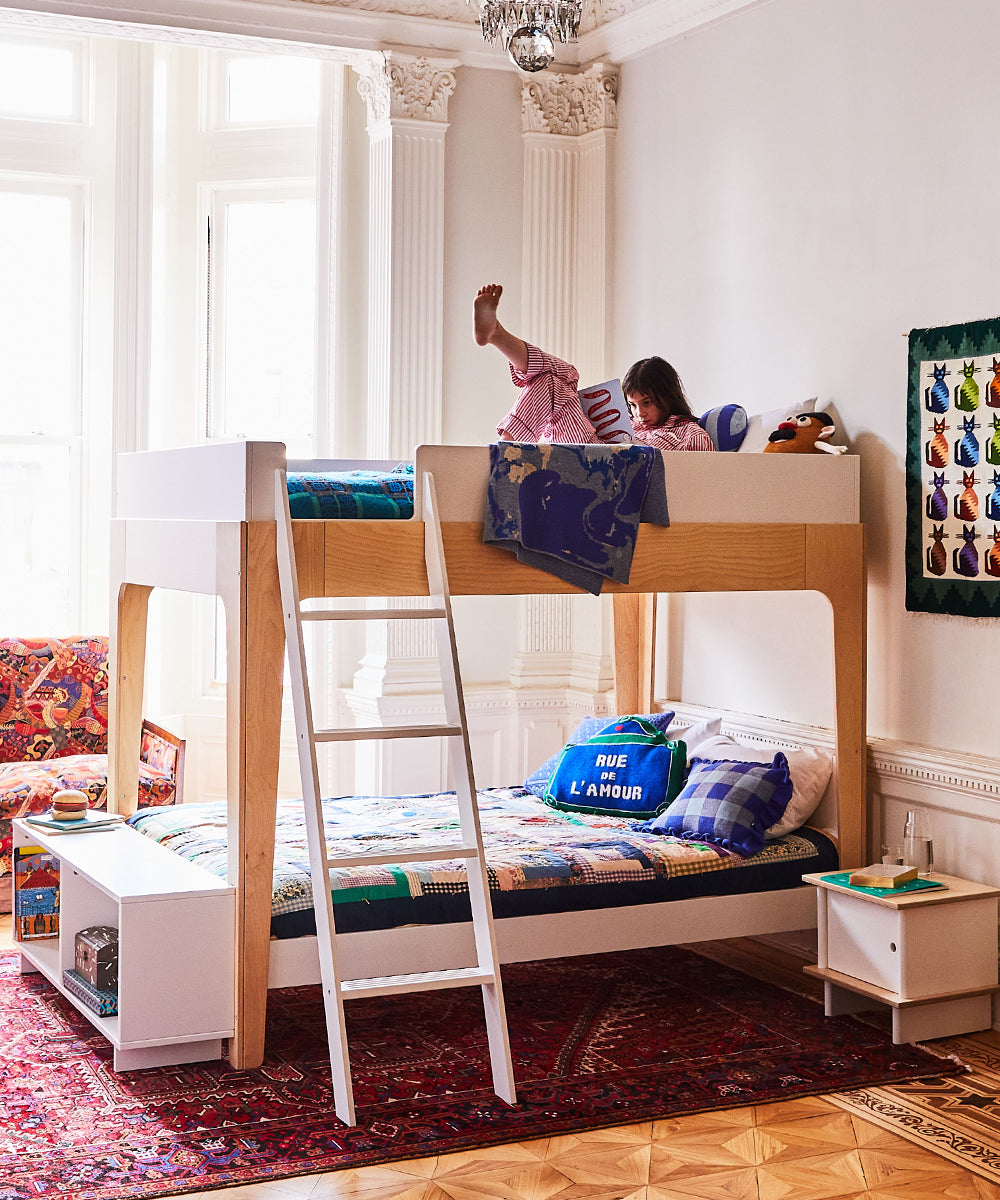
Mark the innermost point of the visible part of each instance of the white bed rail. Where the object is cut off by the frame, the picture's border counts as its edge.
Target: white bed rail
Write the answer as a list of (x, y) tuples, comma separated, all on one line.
[(741, 489), (233, 481)]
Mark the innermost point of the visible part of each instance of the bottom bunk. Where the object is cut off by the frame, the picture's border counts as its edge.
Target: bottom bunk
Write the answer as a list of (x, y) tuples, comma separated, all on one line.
[(562, 883)]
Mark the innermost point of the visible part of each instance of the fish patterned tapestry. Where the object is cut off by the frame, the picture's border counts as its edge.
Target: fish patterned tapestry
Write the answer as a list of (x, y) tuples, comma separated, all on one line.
[(953, 470)]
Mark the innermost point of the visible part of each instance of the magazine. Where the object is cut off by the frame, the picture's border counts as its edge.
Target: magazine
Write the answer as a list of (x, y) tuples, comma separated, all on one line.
[(605, 408), (91, 819)]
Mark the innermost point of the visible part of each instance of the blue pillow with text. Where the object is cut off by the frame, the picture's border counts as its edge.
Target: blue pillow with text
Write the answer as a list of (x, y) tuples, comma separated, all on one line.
[(627, 769), (538, 781)]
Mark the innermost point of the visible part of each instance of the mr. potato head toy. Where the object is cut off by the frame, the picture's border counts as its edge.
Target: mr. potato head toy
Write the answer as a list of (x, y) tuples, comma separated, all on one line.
[(807, 433)]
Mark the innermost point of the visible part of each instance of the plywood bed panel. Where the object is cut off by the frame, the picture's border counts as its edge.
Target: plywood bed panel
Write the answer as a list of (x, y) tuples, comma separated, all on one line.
[(203, 520), (376, 558)]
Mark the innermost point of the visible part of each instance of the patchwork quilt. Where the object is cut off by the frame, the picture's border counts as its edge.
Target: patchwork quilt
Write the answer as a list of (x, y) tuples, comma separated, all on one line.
[(528, 846)]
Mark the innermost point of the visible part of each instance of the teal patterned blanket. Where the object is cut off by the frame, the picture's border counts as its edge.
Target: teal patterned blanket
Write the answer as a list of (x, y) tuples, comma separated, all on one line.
[(351, 495)]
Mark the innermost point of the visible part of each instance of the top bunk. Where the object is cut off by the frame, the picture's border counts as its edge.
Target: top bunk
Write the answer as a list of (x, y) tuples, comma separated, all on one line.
[(738, 522), (234, 481)]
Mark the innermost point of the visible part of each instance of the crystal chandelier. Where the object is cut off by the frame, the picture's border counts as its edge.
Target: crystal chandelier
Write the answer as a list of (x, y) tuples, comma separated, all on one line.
[(529, 29)]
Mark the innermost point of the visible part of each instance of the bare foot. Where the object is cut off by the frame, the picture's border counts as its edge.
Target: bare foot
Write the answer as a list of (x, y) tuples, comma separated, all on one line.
[(485, 324)]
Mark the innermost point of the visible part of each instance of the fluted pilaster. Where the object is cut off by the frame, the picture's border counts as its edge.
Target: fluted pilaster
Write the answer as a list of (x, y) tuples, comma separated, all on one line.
[(407, 99), (407, 103), (568, 124)]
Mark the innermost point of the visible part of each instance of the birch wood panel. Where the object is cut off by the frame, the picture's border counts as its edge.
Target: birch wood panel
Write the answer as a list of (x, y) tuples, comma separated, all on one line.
[(372, 558)]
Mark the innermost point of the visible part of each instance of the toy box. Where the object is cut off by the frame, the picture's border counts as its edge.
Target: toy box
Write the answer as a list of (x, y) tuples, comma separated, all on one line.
[(96, 957)]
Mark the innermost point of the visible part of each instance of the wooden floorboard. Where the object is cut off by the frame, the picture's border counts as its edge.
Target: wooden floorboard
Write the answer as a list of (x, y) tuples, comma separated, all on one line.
[(805, 1149)]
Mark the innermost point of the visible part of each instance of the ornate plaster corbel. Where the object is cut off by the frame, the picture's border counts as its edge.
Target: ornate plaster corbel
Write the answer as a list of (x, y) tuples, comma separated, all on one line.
[(398, 86), (570, 104)]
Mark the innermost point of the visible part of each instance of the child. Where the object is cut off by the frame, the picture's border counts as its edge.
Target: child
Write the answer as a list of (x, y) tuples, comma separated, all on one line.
[(548, 409)]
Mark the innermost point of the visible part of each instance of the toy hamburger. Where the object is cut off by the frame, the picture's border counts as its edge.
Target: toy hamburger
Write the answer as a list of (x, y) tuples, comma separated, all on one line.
[(69, 806)]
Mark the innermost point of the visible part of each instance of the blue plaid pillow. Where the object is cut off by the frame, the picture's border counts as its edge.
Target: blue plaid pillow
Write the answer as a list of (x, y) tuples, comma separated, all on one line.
[(728, 803), (538, 781)]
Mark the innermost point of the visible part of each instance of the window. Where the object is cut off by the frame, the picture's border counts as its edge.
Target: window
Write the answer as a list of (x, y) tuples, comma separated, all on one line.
[(243, 253), (224, 152), (55, 372), (42, 79), (41, 266), (270, 91), (263, 318)]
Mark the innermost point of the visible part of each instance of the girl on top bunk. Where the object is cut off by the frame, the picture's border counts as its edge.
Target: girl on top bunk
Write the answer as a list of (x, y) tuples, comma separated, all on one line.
[(548, 409)]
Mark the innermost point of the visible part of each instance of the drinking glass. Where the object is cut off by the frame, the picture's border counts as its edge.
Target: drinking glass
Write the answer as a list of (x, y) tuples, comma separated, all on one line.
[(918, 842)]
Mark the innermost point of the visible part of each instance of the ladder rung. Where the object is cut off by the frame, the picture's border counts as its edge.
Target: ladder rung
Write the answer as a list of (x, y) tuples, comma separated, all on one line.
[(373, 614), (426, 854), (422, 981), (386, 732)]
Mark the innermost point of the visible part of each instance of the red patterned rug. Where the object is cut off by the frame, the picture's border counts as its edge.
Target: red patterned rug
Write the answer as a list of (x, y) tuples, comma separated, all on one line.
[(604, 1040)]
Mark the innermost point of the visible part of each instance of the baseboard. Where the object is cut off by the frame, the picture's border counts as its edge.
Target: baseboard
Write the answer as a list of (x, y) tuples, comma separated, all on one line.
[(801, 943)]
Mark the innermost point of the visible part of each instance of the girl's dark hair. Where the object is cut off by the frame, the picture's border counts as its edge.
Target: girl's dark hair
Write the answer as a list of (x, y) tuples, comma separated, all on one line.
[(656, 378)]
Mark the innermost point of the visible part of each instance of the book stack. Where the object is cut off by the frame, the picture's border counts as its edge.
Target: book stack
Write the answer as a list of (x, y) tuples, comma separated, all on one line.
[(91, 819), (105, 1004), (882, 875)]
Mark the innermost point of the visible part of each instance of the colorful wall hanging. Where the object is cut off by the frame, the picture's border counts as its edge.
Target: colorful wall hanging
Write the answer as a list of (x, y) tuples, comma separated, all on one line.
[(953, 470)]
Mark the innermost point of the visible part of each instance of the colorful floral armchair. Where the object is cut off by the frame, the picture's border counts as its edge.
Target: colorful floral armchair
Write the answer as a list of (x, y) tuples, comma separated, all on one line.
[(54, 734)]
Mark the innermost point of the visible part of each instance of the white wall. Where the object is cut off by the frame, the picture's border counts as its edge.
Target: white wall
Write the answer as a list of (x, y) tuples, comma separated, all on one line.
[(799, 186)]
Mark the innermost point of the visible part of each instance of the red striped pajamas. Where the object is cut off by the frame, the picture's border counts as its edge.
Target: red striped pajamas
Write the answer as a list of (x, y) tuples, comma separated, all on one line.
[(548, 409)]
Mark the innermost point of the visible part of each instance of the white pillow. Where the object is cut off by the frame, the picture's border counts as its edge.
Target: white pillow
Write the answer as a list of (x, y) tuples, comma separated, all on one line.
[(695, 735), (809, 768), (760, 426)]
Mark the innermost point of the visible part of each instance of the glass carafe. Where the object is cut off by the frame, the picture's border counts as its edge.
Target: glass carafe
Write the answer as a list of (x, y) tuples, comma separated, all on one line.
[(918, 842)]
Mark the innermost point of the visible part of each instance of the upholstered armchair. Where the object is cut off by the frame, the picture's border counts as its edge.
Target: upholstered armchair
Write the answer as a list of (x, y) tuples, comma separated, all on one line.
[(54, 734)]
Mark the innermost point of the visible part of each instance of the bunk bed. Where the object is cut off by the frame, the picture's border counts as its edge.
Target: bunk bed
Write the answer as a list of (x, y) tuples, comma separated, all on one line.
[(203, 520)]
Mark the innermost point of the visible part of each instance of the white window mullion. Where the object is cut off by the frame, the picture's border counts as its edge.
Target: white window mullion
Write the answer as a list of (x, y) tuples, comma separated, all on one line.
[(133, 238), (107, 402)]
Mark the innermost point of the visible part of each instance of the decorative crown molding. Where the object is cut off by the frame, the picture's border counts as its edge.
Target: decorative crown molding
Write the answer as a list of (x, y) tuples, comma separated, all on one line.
[(611, 30), (570, 104), (438, 10)]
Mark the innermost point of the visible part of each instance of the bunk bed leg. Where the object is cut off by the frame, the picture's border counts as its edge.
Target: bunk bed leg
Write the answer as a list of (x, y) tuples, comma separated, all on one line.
[(634, 627), (127, 666), (255, 657), (835, 566)]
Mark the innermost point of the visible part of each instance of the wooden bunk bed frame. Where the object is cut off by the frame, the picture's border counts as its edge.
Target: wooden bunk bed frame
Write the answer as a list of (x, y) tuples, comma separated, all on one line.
[(203, 520)]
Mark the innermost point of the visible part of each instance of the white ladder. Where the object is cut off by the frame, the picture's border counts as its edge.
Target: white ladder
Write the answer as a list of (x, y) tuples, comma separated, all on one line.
[(486, 970)]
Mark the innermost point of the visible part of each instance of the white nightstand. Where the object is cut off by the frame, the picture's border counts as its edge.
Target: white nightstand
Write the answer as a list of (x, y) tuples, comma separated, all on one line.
[(931, 955)]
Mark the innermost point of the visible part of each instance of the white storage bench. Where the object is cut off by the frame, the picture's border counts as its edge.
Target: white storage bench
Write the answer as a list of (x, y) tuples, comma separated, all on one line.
[(176, 938)]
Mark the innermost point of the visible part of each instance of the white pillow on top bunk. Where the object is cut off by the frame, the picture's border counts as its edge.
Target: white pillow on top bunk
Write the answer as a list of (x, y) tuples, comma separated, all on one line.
[(760, 426), (809, 768)]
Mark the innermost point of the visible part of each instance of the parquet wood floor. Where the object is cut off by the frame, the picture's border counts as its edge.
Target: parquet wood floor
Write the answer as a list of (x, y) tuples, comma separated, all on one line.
[(805, 1149)]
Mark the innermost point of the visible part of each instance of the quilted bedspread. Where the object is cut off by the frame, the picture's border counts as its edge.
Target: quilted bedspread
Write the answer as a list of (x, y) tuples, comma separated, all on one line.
[(528, 846)]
